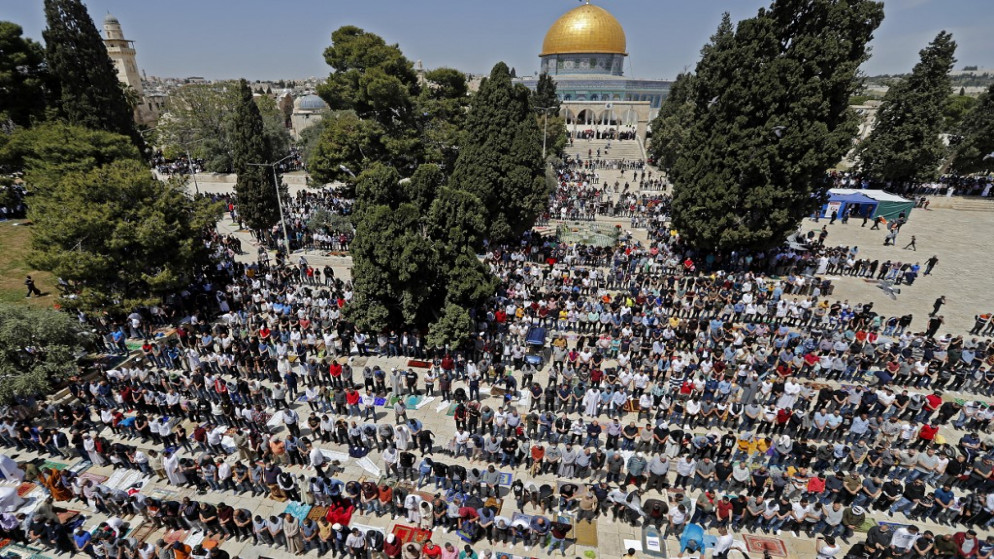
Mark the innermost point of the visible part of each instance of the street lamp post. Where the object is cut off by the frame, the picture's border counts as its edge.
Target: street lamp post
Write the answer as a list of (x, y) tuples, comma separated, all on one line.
[(545, 126), (279, 198)]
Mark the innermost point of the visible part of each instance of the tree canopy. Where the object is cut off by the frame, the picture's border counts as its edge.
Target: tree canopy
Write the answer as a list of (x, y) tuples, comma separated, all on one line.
[(38, 347), (670, 127), (383, 112), (132, 239), (23, 76), (49, 150), (500, 160), (201, 118), (414, 259), (770, 116), (905, 146), (975, 151), (90, 92)]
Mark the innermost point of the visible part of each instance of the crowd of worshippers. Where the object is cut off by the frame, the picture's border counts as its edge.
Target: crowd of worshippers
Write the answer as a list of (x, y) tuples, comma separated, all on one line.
[(578, 197), (669, 370)]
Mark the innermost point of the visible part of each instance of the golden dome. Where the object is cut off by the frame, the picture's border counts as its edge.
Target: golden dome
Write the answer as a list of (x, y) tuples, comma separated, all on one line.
[(587, 29)]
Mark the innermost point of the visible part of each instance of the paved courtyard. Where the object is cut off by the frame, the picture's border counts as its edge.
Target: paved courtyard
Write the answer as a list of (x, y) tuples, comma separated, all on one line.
[(957, 237)]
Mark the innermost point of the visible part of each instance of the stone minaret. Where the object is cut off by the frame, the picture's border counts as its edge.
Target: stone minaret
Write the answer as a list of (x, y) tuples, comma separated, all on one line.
[(122, 52)]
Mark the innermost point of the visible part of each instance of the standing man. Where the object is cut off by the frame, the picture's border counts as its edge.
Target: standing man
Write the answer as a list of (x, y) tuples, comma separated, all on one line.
[(30, 284)]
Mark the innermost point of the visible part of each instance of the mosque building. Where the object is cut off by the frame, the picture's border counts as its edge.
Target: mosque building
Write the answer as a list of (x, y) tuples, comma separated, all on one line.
[(585, 52)]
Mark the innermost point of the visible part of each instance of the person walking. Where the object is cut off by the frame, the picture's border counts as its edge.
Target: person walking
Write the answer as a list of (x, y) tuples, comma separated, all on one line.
[(30, 284), (930, 263), (911, 245), (937, 304)]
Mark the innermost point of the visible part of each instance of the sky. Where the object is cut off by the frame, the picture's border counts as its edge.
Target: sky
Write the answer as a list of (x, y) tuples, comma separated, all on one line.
[(271, 39)]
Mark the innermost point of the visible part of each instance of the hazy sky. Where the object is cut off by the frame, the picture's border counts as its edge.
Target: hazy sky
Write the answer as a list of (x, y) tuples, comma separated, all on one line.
[(260, 39)]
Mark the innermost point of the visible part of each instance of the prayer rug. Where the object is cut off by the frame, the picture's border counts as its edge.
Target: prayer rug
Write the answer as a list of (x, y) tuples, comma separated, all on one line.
[(297, 510), (143, 531), (586, 533), (54, 465), (408, 534), (760, 544), (419, 364), (25, 488), (317, 513), (96, 478), (175, 536)]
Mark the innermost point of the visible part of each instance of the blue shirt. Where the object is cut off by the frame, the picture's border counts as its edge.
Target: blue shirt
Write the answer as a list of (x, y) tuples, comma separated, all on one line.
[(944, 496)]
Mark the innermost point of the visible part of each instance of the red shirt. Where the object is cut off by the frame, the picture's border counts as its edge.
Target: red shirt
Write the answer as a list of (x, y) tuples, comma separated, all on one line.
[(433, 551), (724, 509), (932, 402), (927, 432), (335, 369)]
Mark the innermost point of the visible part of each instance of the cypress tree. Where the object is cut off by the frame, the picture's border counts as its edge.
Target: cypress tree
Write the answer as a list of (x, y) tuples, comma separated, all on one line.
[(545, 95), (90, 93), (500, 160), (257, 201), (770, 117), (669, 128), (905, 145)]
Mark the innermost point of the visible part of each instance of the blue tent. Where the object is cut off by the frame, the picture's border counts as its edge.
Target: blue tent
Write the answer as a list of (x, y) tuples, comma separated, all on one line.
[(842, 201)]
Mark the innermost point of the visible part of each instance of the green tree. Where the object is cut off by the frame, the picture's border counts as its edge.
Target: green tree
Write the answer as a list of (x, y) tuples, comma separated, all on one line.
[(545, 99), (200, 118), (500, 160), (456, 221), (954, 111), (346, 141), (378, 185), (23, 75), (905, 145), (90, 92), (975, 152), (442, 109), (423, 186), (257, 198), (38, 348), (370, 77), (50, 150), (770, 117), (452, 329), (545, 94), (671, 125), (393, 268), (132, 240)]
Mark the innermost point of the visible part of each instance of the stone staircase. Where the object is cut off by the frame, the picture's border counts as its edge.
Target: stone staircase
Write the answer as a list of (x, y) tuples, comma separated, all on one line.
[(620, 149), (962, 203)]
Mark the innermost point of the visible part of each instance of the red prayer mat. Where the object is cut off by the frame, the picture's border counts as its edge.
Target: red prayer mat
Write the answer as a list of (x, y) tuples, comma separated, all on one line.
[(409, 534), (758, 544)]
